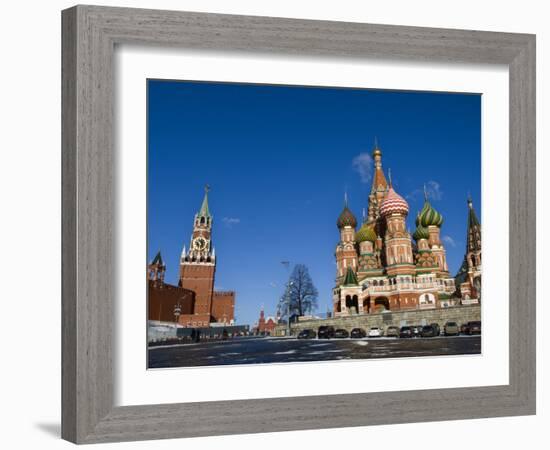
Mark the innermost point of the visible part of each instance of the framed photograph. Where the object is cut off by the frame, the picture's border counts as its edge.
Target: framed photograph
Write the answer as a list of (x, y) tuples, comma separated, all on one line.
[(250, 199)]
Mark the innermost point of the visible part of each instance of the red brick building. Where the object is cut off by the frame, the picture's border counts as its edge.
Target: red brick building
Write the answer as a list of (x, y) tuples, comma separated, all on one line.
[(197, 272), (166, 303), (265, 325)]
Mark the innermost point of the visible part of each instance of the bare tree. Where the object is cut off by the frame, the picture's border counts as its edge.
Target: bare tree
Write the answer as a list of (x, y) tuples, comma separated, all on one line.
[(300, 292)]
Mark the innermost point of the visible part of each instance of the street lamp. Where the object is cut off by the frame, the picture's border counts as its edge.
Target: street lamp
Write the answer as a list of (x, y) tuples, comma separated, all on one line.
[(177, 312), (287, 295), (289, 283)]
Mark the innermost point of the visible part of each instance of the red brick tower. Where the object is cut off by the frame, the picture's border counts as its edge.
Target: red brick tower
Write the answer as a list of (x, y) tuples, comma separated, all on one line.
[(156, 269), (198, 264)]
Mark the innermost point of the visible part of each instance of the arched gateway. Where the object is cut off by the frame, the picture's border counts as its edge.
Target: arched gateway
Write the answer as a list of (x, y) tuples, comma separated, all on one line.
[(381, 304)]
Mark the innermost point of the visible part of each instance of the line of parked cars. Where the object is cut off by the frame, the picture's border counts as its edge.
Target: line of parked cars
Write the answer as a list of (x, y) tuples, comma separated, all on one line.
[(408, 331)]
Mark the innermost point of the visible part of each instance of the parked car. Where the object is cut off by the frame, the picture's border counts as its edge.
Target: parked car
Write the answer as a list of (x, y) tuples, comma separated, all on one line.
[(340, 333), (464, 328), (451, 329), (392, 331), (358, 333), (375, 332), (406, 332), (437, 330), (307, 334), (325, 332), (474, 327), (417, 330), (428, 331)]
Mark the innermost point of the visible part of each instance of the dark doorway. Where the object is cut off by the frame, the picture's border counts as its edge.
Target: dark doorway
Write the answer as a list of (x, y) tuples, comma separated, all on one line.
[(381, 304), (352, 303)]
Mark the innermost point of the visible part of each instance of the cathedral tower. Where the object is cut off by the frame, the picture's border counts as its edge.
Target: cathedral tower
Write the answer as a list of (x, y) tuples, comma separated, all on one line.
[(198, 264), (379, 188), (397, 240), (469, 275), (369, 259), (425, 261), (473, 250), (432, 220), (346, 254)]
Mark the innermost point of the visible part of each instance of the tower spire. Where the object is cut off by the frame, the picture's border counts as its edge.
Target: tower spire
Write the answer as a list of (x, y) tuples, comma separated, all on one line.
[(425, 193), (205, 211), (389, 177), (473, 221)]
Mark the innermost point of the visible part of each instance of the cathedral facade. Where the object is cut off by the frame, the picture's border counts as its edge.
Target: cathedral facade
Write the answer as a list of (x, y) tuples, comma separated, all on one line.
[(194, 302), (381, 266)]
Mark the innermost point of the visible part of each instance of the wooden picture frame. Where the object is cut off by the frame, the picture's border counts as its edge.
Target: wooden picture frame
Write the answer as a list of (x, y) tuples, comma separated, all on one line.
[(90, 34)]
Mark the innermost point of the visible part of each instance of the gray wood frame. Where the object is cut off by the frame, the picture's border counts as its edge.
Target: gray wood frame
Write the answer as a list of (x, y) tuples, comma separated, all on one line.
[(89, 36)]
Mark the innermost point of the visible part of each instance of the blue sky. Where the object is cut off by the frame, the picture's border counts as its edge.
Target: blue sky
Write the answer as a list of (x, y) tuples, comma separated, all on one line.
[(279, 159)]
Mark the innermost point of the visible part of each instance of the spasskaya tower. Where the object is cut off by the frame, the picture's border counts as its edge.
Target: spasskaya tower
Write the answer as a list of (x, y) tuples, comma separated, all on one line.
[(198, 264)]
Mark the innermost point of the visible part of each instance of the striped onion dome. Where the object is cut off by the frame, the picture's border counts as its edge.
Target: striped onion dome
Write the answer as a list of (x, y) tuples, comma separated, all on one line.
[(421, 233), (429, 216), (346, 218), (394, 204), (365, 233)]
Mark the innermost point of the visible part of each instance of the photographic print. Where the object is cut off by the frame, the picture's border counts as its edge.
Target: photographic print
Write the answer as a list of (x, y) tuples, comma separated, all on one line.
[(292, 224)]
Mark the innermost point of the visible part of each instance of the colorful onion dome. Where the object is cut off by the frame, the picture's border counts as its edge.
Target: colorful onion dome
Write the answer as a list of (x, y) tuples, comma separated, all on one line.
[(421, 233), (346, 219), (429, 216), (394, 204), (365, 233)]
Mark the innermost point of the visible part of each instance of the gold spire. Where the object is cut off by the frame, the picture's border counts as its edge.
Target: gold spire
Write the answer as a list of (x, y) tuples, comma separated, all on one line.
[(376, 152)]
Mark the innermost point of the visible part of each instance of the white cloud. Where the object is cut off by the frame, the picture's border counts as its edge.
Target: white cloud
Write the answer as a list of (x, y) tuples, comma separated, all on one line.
[(272, 284), (230, 221), (449, 240), (362, 164), (433, 190)]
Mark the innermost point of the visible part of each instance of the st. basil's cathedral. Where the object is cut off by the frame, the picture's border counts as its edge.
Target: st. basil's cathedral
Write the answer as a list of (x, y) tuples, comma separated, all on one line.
[(382, 267)]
